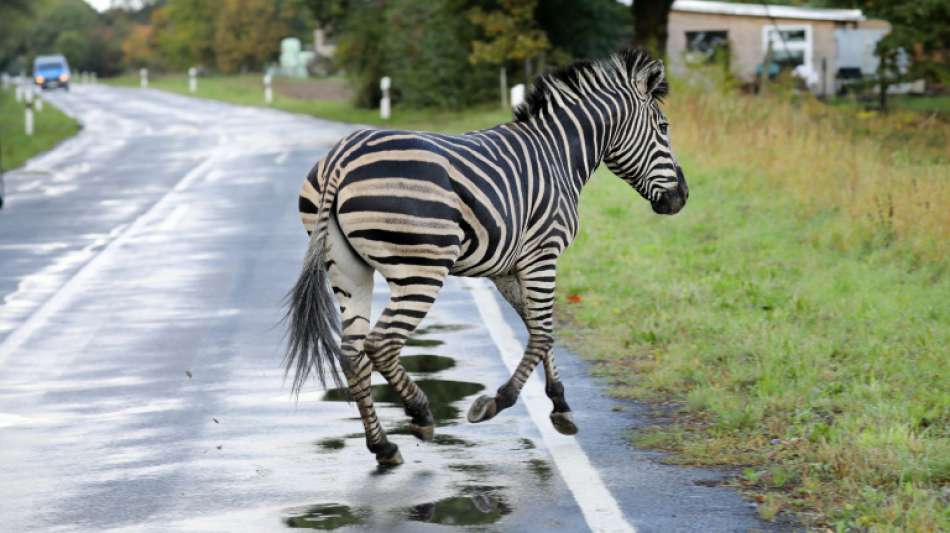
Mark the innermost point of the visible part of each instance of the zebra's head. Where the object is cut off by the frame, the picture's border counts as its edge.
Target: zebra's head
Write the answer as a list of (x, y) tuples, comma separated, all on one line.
[(640, 153)]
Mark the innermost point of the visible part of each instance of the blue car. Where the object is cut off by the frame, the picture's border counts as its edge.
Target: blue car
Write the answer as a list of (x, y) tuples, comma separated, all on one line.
[(51, 71)]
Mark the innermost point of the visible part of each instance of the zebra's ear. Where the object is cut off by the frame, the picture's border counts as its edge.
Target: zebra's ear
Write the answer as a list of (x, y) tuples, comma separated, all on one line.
[(650, 78)]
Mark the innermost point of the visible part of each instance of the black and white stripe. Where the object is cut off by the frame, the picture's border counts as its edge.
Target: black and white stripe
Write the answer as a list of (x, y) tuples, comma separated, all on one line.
[(498, 203)]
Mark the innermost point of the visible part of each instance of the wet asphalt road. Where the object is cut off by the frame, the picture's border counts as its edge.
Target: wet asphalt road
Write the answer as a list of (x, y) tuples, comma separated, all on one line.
[(142, 266)]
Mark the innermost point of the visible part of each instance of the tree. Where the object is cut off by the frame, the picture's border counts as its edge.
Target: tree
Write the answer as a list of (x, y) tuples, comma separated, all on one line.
[(650, 24), (185, 33), (512, 32), (589, 29), (138, 48)]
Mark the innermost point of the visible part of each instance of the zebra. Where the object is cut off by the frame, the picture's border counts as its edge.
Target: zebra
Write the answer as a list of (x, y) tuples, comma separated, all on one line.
[(500, 203)]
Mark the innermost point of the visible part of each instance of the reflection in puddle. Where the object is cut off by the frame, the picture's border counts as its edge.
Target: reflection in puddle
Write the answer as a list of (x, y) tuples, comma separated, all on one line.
[(479, 508), (442, 394), (540, 468), (468, 468), (443, 328), (425, 343), (426, 364), (331, 443), (324, 516)]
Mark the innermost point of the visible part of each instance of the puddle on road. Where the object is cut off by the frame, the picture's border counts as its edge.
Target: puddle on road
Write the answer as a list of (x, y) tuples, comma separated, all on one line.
[(424, 343), (426, 364), (442, 395), (330, 444), (469, 510), (443, 328), (540, 468), (324, 516)]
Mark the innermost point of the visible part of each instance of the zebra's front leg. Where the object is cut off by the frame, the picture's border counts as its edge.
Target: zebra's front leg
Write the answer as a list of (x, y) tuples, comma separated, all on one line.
[(532, 296)]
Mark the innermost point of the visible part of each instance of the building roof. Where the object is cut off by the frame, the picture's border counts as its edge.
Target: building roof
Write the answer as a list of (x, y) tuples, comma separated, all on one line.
[(763, 10)]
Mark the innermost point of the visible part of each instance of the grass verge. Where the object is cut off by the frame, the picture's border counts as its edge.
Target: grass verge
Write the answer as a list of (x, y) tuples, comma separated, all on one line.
[(801, 326), (50, 127)]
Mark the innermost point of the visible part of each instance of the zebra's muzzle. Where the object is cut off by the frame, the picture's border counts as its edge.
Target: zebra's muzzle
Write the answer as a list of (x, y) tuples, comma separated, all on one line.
[(672, 200)]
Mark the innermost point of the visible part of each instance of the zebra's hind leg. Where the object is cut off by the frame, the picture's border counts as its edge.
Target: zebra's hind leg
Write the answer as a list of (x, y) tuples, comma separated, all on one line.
[(536, 287), (352, 281), (409, 300)]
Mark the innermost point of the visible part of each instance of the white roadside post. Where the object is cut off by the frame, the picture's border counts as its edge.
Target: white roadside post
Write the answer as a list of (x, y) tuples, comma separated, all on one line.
[(192, 80), (517, 95), (143, 78), (5, 80), (39, 101), (19, 91), (94, 77), (384, 84), (28, 116), (268, 92)]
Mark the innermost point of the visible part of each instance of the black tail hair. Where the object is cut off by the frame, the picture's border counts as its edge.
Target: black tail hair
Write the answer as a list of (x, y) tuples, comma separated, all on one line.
[(314, 325)]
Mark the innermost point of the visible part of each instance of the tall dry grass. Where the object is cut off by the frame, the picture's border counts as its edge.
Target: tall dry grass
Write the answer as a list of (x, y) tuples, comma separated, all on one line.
[(886, 178)]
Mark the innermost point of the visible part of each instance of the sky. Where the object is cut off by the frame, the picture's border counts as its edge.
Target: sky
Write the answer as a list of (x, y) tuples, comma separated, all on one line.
[(99, 4)]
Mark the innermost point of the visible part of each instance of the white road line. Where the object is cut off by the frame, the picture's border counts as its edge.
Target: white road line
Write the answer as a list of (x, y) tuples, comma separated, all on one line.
[(601, 510), (171, 221), (77, 283)]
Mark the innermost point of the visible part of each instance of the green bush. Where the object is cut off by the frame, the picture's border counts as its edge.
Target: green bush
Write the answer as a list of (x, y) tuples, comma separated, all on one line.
[(427, 61)]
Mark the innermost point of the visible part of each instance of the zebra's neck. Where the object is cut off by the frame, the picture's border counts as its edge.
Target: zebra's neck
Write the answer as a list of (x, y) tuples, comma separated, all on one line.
[(576, 133)]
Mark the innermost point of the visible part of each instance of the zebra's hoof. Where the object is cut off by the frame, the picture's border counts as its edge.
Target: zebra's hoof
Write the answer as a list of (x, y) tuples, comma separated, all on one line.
[(483, 409), (424, 433), (564, 423), (393, 460)]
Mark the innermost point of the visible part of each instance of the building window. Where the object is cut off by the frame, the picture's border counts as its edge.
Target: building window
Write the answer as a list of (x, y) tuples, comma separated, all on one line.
[(791, 45), (702, 46)]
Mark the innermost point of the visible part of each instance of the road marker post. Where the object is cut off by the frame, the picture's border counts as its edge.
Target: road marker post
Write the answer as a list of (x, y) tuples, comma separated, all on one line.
[(384, 84), (39, 102), (94, 78), (143, 78), (517, 95), (19, 92), (28, 114), (268, 92), (192, 80)]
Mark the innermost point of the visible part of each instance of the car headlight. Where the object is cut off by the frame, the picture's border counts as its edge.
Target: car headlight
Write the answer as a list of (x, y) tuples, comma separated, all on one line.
[(40, 79), (63, 77)]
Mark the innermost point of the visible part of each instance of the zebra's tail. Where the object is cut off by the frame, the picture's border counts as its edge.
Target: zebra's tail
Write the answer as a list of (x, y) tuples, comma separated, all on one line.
[(313, 323)]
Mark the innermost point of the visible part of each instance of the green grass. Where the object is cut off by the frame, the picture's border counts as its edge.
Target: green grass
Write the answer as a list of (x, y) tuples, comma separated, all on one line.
[(823, 371), (938, 105), (247, 90), (50, 127)]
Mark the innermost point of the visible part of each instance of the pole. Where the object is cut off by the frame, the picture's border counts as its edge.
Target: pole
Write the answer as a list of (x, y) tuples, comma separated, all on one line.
[(192, 80), (143, 78), (268, 92), (503, 81), (28, 116), (384, 84)]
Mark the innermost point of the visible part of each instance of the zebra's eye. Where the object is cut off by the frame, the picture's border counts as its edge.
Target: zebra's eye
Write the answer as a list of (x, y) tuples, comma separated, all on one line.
[(664, 127)]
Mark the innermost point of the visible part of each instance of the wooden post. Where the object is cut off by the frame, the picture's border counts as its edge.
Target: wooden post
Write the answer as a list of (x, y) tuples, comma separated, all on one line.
[(503, 81), (28, 115), (766, 66)]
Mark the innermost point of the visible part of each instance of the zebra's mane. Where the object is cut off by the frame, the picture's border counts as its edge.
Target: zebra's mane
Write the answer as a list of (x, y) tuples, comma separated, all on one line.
[(567, 81)]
